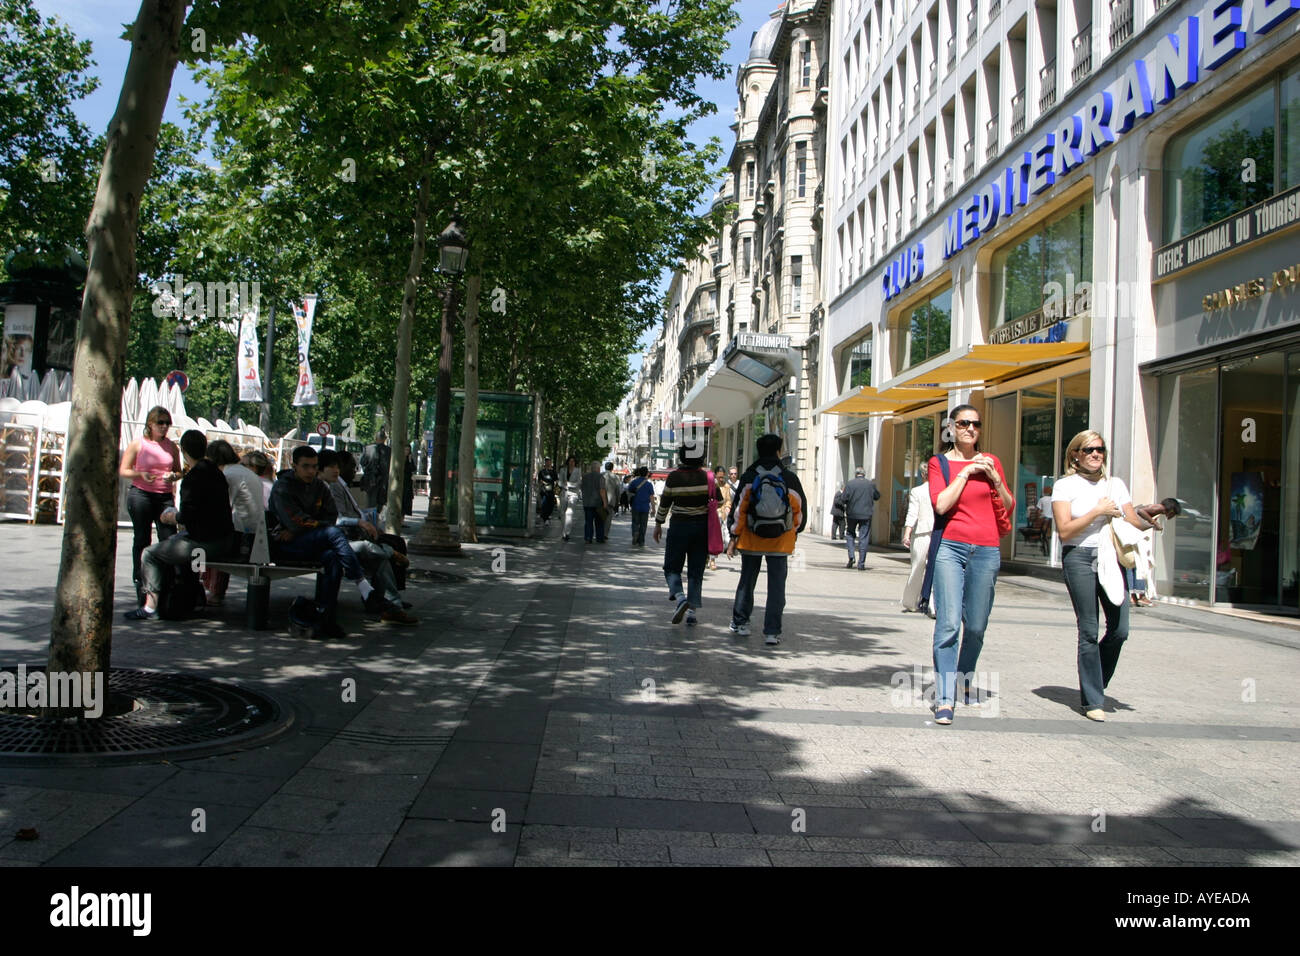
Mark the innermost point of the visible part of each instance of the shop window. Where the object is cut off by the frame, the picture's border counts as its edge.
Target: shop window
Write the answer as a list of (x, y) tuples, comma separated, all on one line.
[(1058, 254), (1290, 116), (927, 331), (1185, 552), (1222, 165), (860, 364)]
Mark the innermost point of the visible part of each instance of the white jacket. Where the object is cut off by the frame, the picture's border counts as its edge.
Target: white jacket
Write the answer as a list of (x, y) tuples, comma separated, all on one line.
[(920, 510), (1109, 571)]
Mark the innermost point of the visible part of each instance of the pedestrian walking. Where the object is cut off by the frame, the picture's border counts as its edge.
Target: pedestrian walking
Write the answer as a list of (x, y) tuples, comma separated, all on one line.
[(571, 485), (860, 497), (724, 508), (375, 461), (1084, 503), (969, 488), (547, 479), (764, 521), (916, 535), (640, 494), (837, 516), (593, 504), (613, 490), (686, 497)]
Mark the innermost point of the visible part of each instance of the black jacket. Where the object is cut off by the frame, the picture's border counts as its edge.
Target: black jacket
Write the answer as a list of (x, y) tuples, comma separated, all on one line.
[(860, 496), (298, 506), (205, 503)]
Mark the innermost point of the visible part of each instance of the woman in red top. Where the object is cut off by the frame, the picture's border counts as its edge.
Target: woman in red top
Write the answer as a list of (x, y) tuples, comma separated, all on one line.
[(968, 558), (153, 463)]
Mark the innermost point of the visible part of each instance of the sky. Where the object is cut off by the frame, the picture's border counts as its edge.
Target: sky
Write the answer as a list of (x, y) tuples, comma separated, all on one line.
[(102, 22)]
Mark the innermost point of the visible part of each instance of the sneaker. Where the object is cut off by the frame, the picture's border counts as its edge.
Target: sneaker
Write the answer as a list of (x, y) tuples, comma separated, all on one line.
[(850, 564), (330, 628), (682, 608), (741, 629), (771, 640), (395, 616), (375, 604), (943, 715), (690, 619), (141, 614), (1096, 714)]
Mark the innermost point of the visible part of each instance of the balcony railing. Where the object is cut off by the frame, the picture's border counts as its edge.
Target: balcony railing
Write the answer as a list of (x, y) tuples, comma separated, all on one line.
[(934, 82), (929, 194), (916, 97), (1161, 4), (995, 7), (1047, 86), (952, 53), (968, 168), (972, 27), (1082, 45), (991, 129), (1017, 114), (1121, 22)]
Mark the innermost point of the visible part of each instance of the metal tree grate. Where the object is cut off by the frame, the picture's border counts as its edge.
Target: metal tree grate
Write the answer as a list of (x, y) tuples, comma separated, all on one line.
[(147, 714)]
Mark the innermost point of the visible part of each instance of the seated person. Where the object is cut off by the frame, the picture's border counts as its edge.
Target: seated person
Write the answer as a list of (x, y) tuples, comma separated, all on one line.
[(348, 473), (301, 525), (260, 465), (377, 559), (205, 514), (247, 509)]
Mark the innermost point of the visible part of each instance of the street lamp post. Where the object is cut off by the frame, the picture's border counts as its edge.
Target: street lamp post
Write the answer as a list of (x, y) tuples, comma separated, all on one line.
[(434, 536), (325, 393), (182, 343)]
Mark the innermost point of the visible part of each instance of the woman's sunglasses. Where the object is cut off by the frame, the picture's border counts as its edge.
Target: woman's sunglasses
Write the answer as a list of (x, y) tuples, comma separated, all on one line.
[(967, 423), (1093, 450)]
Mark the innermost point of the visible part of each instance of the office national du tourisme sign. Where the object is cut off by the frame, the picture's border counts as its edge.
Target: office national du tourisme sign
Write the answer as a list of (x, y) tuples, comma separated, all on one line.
[(1208, 40), (1260, 220)]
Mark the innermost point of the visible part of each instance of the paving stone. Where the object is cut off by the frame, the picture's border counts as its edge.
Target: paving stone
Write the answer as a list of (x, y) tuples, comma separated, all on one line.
[(808, 858), (154, 832), (641, 852), (714, 856), (337, 785), (293, 812), (471, 805), (761, 841), (441, 843), (666, 837), (629, 812)]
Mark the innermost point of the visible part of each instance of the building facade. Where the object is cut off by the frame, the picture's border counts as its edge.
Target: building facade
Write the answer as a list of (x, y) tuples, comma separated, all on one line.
[(1074, 215)]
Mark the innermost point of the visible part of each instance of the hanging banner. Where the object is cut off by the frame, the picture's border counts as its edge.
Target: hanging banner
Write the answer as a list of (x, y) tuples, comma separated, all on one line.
[(303, 315), (250, 379)]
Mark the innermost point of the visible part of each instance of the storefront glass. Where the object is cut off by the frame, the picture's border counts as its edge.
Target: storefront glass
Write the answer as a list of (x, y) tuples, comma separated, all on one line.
[(1204, 172), (1186, 470), (924, 331), (1290, 550), (1290, 114), (1036, 470), (900, 474), (1060, 254)]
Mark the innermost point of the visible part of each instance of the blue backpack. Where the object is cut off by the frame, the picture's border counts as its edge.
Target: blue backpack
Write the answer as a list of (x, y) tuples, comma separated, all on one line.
[(769, 504)]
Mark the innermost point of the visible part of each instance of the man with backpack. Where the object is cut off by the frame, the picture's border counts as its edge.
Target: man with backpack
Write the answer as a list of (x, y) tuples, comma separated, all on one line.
[(860, 497), (640, 493), (767, 515)]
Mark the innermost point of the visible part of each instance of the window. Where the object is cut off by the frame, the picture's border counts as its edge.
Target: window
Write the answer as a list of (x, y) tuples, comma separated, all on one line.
[(860, 364), (801, 167), (805, 64), (1060, 253), (747, 246), (924, 331), (749, 179), (1234, 158), (796, 283)]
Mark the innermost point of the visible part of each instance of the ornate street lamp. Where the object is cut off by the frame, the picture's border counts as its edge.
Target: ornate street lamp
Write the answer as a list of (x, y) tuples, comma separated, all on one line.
[(182, 342), (434, 536)]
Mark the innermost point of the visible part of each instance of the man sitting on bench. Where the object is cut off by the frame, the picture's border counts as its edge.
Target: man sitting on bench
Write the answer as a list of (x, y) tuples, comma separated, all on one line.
[(376, 559), (301, 524), (205, 514)]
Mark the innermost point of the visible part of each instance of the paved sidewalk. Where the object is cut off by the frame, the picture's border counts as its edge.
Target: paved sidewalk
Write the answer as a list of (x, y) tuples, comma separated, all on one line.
[(548, 713)]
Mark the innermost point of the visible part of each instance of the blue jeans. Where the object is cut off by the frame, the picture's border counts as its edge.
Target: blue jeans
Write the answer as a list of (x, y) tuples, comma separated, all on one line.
[(331, 547), (592, 523), (687, 538), (1096, 660), (964, 578), (750, 565), (639, 521), (858, 529)]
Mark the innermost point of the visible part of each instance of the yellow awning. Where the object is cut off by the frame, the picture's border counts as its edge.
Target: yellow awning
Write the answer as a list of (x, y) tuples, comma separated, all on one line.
[(985, 364), (866, 400)]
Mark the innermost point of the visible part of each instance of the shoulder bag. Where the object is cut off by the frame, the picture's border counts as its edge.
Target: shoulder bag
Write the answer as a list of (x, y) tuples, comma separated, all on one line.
[(715, 526), (1126, 554)]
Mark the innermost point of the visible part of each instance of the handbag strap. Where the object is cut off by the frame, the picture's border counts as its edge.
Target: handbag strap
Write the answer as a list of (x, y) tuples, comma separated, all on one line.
[(936, 538)]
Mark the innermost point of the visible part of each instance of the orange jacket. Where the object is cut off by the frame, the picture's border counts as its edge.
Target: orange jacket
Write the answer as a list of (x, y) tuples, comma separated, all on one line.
[(749, 543)]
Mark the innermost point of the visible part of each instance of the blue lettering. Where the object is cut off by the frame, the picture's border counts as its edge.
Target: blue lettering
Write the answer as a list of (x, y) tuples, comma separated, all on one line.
[(1175, 65), (1015, 184), (1226, 41), (952, 230), (988, 206), (1097, 124), (1040, 173), (918, 263), (1269, 13), (970, 220), (1134, 97), (1069, 133)]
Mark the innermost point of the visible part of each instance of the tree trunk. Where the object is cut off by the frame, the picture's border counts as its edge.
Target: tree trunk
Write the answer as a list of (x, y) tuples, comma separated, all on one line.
[(81, 630), (469, 420), (398, 440)]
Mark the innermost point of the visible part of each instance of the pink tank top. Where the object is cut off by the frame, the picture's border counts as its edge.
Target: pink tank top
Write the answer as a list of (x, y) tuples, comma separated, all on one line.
[(155, 457)]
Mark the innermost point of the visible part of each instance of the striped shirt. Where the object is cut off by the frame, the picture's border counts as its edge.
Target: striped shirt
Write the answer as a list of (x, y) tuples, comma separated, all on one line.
[(686, 494)]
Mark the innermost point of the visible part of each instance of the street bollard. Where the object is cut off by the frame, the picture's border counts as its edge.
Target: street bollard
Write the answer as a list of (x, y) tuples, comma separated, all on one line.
[(259, 603)]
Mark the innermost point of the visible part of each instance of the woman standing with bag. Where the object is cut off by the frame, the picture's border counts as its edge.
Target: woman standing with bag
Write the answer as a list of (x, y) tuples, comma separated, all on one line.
[(153, 463), (969, 489), (723, 497), (1083, 504)]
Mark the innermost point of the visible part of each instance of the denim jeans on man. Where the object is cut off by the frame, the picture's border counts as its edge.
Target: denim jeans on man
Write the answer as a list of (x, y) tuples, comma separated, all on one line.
[(592, 523), (859, 528), (331, 547), (639, 521), (688, 538), (964, 579), (1096, 660), (145, 508), (178, 551), (750, 565)]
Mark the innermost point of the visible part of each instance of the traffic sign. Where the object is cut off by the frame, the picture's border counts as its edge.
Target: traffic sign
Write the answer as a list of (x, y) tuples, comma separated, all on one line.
[(178, 379), (323, 429)]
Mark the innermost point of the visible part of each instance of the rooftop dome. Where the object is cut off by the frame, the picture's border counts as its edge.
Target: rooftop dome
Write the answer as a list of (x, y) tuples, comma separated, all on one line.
[(760, 48)]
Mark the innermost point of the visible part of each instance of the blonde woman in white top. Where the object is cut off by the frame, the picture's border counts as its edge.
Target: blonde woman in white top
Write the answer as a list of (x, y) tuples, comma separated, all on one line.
[(1083, 504)]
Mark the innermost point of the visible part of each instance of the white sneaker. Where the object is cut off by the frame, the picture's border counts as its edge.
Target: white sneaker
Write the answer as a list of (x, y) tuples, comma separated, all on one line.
[(771, 639), (741, 629)]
